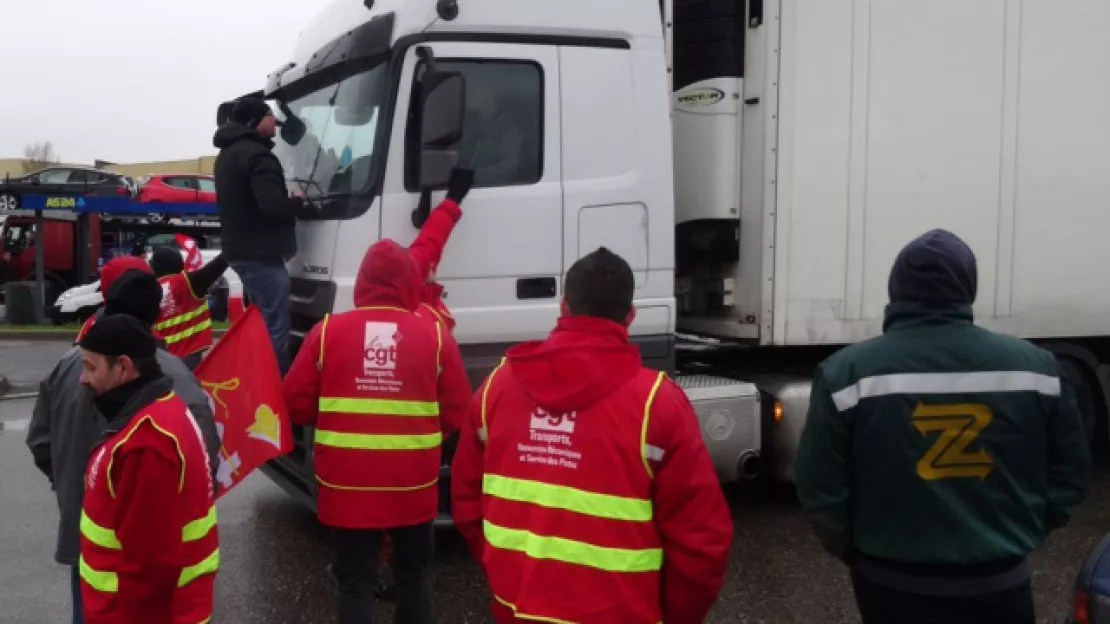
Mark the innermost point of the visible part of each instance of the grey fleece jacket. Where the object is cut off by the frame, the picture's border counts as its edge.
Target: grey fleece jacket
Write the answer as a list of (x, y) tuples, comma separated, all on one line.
[(65, 428)]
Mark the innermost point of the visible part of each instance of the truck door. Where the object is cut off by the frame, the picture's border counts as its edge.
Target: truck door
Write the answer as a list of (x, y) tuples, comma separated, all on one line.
[(502, 267)]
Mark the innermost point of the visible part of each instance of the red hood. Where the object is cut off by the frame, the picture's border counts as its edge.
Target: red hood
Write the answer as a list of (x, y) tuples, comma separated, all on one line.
[(388, 276), (579, 364), (116, 267)]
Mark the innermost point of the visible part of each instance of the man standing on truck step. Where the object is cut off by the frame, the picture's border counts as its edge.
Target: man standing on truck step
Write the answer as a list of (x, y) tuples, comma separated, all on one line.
[(938, 455), (109, 273), (185, 322), (581, 482), (149, 540), (257, 214), (382, 387), (427, 249), (65, 426)]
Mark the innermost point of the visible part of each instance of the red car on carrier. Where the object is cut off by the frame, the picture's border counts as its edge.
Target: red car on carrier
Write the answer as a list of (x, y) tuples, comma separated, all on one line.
[(178, 189)]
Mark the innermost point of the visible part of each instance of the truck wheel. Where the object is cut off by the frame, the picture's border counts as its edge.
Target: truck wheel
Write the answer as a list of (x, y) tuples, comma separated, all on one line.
[(1086, 397), (8, 201)]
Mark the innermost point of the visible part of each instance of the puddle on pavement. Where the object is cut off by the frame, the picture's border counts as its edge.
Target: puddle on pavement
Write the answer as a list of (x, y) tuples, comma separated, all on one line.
[(14, 425)]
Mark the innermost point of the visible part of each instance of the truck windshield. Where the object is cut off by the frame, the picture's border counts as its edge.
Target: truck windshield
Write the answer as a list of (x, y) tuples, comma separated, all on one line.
[(334, 156)]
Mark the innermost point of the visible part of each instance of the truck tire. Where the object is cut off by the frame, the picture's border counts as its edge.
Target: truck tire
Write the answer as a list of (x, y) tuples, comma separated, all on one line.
[(8, 201), (1086, 396)]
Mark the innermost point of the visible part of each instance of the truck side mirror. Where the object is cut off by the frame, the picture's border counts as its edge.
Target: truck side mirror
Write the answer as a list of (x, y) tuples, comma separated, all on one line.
[(442, 104), (292, 130)]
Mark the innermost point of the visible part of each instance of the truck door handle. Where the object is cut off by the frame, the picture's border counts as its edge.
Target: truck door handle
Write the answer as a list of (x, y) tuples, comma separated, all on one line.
[(536, 288)]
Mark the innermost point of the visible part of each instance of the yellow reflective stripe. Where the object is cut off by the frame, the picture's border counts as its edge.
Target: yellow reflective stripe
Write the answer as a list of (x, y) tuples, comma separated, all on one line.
[(439, 348), (106, 582), (189, 283), (368, 442), (573, 552), (188, 333), (485, 397), (134, 428), (438, 317), (525, 616), (378, 407), (570, 499), (370, 488), (200, 527), (391, 308), (105, 538), (323, 336), (183, 318), (647, 418), (191, 573)]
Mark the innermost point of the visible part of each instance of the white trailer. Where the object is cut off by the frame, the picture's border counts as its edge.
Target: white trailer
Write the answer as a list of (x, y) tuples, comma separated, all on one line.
[(759, 164)]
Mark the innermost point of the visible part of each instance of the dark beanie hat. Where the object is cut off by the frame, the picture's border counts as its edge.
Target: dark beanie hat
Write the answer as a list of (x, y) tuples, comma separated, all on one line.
[(135, 294), (117, 335), (250, 111), (935, 268), (166, 260)]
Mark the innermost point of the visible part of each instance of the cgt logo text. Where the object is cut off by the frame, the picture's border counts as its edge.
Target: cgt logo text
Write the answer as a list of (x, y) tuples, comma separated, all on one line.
[(380, 347)]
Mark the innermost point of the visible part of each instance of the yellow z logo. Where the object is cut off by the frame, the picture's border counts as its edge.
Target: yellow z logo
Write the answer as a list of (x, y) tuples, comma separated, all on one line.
[(958, 425)]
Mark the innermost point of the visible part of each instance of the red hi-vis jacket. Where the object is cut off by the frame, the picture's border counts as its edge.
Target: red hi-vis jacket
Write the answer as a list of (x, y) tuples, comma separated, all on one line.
[(427, 250), (583, 486), (185, 322), (149, 541), (383, 387)]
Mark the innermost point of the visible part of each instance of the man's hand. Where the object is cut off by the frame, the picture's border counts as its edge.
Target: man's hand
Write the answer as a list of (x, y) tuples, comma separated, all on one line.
[(305, 209), (459, 185)]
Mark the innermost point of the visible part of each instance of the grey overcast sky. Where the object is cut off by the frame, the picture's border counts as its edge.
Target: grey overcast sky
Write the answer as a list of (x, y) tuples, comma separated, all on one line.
[(134, 80)]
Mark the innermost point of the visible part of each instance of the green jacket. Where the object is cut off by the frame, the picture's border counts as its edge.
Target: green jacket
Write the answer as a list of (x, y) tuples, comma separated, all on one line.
[(940, 442)]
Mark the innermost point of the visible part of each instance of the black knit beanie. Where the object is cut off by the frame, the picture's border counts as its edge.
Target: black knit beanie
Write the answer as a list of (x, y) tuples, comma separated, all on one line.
[(135, 294), (166, 260), (250, 111), (117, 335)]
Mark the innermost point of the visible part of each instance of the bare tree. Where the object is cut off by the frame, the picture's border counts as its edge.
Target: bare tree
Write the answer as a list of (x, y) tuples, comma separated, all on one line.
[(38, 155)]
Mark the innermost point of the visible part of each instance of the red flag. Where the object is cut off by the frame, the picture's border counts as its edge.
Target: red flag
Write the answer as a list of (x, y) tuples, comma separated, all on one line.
[(242, 379), (193, 260)]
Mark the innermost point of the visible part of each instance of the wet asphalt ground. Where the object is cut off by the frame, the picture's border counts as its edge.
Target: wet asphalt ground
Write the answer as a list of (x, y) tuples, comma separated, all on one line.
[(274, 553)]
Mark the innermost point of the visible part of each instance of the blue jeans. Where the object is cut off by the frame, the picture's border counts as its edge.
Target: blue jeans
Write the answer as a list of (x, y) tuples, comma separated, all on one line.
[(267, 286), (75, 585)]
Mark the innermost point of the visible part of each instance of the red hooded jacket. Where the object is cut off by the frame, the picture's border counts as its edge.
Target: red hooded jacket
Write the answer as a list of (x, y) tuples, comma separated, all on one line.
[(383, 387), (427, 250), (572, 439)]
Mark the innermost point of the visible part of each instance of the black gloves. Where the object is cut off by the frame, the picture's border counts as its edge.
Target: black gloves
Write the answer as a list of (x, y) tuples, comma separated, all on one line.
[(459, 184), (303, 208)]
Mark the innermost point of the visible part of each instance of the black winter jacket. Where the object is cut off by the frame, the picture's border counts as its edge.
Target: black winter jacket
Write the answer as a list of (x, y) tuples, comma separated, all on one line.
[(257, 215)]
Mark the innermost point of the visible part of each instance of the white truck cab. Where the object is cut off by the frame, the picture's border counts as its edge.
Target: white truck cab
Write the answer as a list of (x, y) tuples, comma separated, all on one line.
[(757, 163)]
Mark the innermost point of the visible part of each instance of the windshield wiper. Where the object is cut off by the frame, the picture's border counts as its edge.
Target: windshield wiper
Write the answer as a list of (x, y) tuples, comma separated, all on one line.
[(304, 184)]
